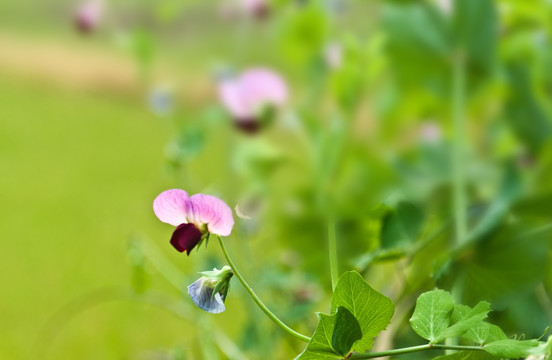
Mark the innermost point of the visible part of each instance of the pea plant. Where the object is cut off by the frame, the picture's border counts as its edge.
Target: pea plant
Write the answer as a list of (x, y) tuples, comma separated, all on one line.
[(412, 149)]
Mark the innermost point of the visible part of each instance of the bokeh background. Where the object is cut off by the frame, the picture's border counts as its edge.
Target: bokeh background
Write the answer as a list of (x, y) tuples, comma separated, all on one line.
[(390, 104)]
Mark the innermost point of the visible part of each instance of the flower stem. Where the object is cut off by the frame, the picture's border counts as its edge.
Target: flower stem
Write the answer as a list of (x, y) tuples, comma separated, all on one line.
[(263, 307), (332, 245), (458, 104), (412, 349), (458, 167)]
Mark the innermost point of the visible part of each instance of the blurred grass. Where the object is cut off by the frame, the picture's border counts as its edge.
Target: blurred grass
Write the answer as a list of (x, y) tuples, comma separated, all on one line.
[(79, 172)]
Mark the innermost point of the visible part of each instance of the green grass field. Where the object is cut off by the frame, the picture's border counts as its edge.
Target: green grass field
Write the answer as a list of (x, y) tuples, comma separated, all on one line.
[(79, 173)]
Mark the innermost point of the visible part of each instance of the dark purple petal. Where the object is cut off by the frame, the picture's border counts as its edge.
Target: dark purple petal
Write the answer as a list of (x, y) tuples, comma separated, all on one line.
[(185, 237), (248, 125)]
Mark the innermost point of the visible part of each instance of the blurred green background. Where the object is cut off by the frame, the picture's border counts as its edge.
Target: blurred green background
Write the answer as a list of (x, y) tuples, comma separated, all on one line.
[(94, 125)]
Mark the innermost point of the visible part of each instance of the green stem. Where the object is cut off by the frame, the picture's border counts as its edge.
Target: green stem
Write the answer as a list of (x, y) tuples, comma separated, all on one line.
[(263, 307), (412, 349), (332, 245), (458, 115), (458, 169)]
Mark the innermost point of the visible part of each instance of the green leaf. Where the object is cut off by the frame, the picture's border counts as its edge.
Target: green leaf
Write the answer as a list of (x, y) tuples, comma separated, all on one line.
[(372, 309), (320, 346), (402, 226), (524, 112), (544, 349), (484, 332), (475, 27), (304, 32), (485, 269), (432, 314), (417, 32), (346, 331), (511, 349), (465, 318), (467, 355)]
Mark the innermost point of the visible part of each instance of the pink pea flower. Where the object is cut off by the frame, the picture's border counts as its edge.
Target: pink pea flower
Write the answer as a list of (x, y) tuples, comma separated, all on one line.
[(258, 9), (252, 95), (195, 217), (88, 15), (236, 9)]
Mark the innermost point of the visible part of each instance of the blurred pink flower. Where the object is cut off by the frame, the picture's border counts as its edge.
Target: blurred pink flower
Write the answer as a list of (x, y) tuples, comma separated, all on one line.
[(234, 9), (430, 132), (258, 9), (195, 217), (88, 15), (247, 96)]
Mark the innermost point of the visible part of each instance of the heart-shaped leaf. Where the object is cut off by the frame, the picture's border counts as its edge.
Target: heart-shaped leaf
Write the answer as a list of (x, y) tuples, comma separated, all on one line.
[(346, 331), (372, 309), (432, 314)]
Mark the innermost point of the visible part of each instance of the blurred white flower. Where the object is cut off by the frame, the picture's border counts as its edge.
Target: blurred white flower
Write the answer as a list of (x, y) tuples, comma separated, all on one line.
[(446, 6), (333, 55)]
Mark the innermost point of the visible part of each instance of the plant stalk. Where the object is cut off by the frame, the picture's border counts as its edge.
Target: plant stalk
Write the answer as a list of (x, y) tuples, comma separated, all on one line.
[(412, 349), (458, 168), (258, 301), (332, 245)]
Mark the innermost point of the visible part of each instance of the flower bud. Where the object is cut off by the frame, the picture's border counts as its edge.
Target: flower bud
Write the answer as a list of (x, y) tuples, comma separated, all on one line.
[(209, 291)]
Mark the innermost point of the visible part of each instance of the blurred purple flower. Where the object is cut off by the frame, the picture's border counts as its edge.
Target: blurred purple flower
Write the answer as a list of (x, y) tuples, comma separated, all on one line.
[(88, 15), (249, 96), (195, 217), (161, 101)]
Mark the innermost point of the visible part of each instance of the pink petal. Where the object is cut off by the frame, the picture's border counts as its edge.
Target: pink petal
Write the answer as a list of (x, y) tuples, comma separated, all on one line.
[(170, 206), (260, 87), (255, 88), (231, 97), (88, 15), (210, 210)]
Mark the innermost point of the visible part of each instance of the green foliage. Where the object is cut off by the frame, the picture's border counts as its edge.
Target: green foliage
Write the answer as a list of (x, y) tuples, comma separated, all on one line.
[(359, 313), (304, 32), (416, 31), (372, 309), (437, 318), (320, 345), (484, 332), (468, 355), (402, 226), (464, 318), (475, 29), (432, 314), (511, 349), (524, 112), (346, 331), (485, 267)]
